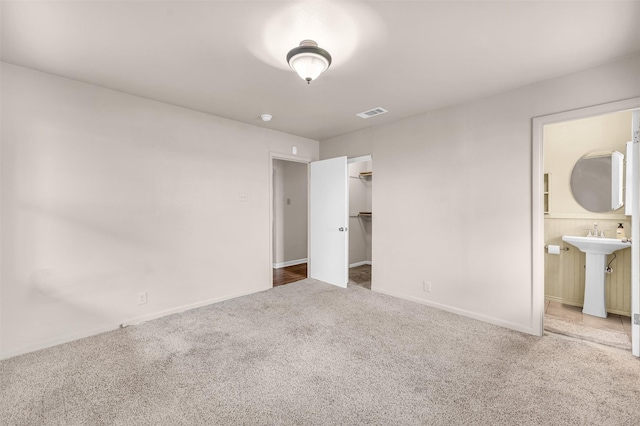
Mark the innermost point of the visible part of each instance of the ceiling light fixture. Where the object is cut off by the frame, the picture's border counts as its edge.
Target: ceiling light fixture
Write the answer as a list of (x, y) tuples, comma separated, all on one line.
[(308, 60), (266, 117)]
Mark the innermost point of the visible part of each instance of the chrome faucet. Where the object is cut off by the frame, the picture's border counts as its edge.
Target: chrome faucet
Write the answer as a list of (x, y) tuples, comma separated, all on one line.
[(594, 232)]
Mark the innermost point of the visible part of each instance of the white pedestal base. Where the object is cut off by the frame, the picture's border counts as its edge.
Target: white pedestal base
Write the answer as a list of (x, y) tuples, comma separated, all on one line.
[(594, 300)]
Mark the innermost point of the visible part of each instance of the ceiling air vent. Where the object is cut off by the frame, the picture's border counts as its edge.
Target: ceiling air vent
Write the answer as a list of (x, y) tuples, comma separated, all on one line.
[(372, 112)]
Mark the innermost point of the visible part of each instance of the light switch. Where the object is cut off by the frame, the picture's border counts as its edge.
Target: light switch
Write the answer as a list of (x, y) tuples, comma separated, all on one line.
[(294, 150)]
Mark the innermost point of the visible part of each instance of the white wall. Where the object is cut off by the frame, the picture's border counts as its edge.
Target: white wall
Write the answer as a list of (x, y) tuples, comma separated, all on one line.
[(296, 202), (452, 194), (290, 212), (105, 195), (278, 212)]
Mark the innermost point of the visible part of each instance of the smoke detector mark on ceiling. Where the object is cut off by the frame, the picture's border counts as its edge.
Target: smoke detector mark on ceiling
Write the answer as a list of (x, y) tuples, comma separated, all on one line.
[(372, 112)]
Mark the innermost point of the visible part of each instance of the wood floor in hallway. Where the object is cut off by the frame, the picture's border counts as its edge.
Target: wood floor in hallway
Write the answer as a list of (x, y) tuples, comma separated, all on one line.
[(360, 275), (289, 274)]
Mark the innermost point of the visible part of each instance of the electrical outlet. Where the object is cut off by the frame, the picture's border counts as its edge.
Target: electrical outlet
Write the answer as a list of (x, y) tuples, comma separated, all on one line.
[(243, 198), (142, 298), (426, 286)]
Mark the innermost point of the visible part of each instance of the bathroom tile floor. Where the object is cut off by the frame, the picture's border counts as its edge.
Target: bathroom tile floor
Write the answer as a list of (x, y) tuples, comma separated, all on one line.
[(574, 314)]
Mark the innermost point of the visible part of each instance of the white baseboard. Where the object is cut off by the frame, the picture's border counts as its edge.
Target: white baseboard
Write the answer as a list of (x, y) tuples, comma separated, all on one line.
[(485, 318), (301, 261), (57, 341), (289, 263), (129, 322), (148, 317), (578, 304)]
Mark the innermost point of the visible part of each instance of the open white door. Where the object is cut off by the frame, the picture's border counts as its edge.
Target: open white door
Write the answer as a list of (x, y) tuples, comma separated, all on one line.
[(635, 234), (328, 220)]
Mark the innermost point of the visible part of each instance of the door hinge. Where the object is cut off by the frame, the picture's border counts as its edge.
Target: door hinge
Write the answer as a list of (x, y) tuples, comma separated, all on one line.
[(636, 318)]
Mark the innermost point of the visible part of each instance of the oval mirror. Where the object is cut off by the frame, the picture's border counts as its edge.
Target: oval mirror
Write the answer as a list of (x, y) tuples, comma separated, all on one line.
[(596, 181)]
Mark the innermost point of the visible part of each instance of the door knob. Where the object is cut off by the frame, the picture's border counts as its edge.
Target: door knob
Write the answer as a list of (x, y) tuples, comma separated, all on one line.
[(341, 229)]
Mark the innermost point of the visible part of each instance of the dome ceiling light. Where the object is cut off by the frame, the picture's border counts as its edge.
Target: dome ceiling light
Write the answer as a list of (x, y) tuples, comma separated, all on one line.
[(308, 60)]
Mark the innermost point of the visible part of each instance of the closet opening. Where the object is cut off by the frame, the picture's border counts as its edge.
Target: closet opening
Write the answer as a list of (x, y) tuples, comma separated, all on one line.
[(360, 221)]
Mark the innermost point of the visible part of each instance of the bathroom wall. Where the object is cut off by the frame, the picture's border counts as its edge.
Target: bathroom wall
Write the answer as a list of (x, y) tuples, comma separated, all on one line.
[(105, 195), (290, 204), (565, 273), (564, 144), (359, 225)]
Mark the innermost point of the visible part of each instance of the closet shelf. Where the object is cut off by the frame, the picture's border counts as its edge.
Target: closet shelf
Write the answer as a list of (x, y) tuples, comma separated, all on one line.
[(361, 214), (362, 175)]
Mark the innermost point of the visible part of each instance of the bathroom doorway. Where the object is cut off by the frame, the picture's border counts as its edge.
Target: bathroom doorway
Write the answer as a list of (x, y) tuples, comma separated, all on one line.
[(577, 144), (360, 220), (559, 267)]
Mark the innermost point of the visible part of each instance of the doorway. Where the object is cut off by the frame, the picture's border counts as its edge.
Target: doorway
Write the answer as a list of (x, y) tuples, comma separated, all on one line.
[(542, 201), (311, 239), (570, 148), (290, 221), (360, 221)]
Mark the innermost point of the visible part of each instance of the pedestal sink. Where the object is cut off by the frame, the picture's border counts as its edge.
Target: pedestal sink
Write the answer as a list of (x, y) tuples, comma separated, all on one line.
[(596, 249)]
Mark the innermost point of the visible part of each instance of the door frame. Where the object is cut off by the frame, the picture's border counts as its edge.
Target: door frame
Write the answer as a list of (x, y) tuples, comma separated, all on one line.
[(537, 213), (296, 159), (305, 160)]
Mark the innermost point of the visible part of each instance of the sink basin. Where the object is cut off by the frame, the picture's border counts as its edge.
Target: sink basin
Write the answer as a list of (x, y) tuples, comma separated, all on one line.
[(596, 250), (595, 244)]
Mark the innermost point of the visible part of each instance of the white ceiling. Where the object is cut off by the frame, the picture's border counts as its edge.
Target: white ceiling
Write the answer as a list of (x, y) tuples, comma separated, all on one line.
[(227, 58)]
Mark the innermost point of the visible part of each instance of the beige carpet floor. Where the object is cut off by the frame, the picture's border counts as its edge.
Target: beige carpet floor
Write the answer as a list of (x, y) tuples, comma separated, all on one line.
[(311, 354)]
